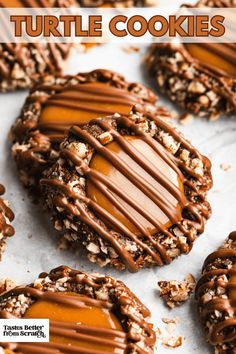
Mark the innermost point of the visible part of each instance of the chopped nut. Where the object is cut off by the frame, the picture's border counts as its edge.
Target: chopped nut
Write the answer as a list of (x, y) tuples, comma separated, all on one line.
[(6, 285), (196, 87), (176, 292), (63, 244), (214, 116), (174, 320), (185, 118), (105, 138), (225, 166), (131, 49), (173, 342), (93, 248)]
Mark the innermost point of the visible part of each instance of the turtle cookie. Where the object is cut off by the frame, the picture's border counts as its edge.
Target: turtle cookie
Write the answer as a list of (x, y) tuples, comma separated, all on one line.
[(216, 294), (87, 313), (6, 217), (21, 65), (59, 102), (200, 77), (131, 190)]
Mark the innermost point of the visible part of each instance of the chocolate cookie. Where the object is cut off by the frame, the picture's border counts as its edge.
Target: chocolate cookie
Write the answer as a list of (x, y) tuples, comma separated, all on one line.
[(131, 190), (87, 313), (198, 76), (216, 294), (6, 217), (59, 102)]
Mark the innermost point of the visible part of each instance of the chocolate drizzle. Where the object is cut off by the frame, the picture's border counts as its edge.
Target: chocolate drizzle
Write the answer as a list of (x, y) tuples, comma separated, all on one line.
[(219, 280), (6, 216), (73, 97), (116, 340), (80, 206)]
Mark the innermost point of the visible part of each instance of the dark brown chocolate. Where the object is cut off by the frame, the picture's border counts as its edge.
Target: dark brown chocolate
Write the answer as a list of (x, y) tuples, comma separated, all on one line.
[(160, 194), (36, 140), (200, 77), (6, 217), (64, 289), (216, 295)]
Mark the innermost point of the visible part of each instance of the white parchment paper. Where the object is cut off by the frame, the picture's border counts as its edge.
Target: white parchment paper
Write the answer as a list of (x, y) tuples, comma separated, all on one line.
[(33, 249)]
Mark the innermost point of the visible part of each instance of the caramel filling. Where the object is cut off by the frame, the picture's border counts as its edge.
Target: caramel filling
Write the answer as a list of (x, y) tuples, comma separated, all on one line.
[(217, 56), (131, 191), (11, 3), (82, 324), (80, 104)]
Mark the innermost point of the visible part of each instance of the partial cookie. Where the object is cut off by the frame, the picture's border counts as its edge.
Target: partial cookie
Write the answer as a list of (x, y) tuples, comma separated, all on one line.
[(59, 102), (6, 217), (88, 314), (216, 294), (21, 65), (112, 3), (199, 76), (131, 190)]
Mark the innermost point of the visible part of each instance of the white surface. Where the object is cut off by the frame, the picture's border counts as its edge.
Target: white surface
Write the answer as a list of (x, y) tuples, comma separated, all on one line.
[(27, 256)]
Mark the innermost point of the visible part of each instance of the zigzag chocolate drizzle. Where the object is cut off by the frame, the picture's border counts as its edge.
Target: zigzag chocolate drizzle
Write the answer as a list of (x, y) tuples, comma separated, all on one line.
[(217, 265), (79, 205)]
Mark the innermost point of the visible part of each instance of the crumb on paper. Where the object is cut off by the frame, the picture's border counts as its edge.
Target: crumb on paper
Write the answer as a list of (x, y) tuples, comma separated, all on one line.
[(225, 166), (30, 236), (167, 339), (173, 342), (185, 118), (166, 320), (131, 49), (174, 114), (6, 285), (176, 292)]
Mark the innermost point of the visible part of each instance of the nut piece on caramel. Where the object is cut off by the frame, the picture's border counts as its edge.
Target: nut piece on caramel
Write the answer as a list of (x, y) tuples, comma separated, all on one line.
[(93, 314), (131, 190), (216, 295)]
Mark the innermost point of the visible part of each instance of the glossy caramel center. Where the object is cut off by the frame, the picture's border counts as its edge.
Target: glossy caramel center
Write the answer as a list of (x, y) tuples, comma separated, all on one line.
[(93, 317), (132, 191), (11, 3), (215, 55), (82, 103)]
